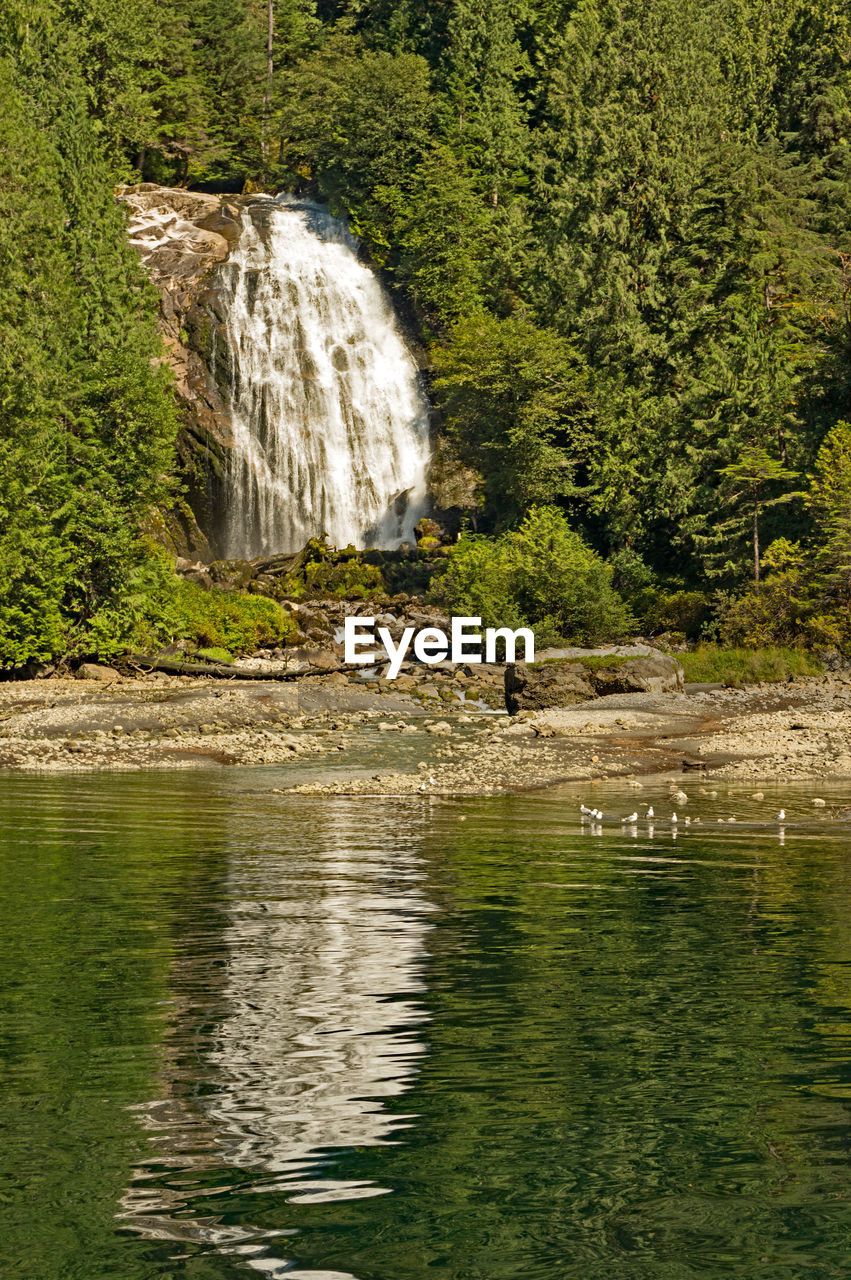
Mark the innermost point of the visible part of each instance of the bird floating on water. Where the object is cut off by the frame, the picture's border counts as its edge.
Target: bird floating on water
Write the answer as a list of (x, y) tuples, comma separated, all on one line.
[(649, 814), (633, 817), (781, 816), (674, 819)]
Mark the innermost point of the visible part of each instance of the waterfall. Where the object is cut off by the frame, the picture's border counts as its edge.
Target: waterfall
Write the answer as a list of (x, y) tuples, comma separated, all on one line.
[(330, 421)]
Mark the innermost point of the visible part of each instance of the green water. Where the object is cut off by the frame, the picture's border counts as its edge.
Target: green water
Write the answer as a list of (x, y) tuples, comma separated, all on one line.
[(243, 1034)]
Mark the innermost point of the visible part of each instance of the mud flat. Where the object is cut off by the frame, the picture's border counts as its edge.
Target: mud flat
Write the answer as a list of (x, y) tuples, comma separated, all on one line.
[(366, 738)]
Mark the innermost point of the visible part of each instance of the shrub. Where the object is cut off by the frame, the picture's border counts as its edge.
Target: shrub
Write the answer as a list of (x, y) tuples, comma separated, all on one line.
[(630, 574), (165, 609), (230, 620), (659, 610), (541, 575), (478, 581)]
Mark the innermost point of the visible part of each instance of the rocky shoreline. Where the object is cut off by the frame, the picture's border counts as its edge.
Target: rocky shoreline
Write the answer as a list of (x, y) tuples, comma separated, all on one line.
[(332, 734)]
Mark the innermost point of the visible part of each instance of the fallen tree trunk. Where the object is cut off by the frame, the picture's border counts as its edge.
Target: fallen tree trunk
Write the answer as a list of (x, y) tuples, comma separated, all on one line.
[(218, 670)]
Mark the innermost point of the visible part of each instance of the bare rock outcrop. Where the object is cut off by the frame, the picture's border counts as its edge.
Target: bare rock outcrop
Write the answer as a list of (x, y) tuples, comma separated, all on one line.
[(183, 237), (563, 684)]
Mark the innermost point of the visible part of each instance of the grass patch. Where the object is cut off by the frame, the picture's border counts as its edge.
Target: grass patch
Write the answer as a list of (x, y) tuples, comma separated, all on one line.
[(215, 655), (712, 664), (596, 662), (604, 662)]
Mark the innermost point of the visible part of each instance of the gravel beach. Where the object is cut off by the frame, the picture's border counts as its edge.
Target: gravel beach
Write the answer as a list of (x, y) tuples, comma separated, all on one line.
[(369, 739)]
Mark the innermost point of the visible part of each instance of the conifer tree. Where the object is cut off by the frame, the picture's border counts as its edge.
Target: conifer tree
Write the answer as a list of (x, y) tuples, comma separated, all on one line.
[(829, 500), (745, 482)]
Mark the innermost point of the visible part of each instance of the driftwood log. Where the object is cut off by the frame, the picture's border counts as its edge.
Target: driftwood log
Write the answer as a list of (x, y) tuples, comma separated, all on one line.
[(219, 670)]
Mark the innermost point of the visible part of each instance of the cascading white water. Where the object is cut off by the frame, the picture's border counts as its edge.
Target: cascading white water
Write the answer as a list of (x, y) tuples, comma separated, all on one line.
[(330, 420)]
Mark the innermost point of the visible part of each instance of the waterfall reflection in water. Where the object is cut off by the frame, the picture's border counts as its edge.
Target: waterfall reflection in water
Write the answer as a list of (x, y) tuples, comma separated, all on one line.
[(330, 421), (628, 1058), (311, 1024)]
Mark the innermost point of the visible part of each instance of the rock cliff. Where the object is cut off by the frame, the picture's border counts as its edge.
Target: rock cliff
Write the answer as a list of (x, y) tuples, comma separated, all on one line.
[(182, 237)]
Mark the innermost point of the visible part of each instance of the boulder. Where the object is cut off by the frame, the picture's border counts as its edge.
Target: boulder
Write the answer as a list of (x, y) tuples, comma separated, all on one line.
[(656, 673), (554, 684), (94, 671), (223, 221), (429, 532), (563, 684)]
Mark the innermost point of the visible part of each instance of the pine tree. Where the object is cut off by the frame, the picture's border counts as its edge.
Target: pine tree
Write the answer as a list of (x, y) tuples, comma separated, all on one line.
[(829, 502), (89, 421), (484, 114), (744, 483), (36, 301)]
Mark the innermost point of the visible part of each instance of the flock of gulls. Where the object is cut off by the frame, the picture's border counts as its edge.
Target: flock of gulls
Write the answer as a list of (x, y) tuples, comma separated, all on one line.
[(594, 817)]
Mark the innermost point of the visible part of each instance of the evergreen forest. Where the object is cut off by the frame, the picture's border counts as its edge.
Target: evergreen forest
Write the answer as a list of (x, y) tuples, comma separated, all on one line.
[(623, 231)]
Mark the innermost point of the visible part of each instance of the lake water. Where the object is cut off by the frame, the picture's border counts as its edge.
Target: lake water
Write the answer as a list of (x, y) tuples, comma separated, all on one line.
[(244, 1033)]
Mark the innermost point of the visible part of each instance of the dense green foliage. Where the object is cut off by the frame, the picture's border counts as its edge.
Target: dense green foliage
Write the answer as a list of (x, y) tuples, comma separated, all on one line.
[(223, 623), (806, 590), (88, 420), (624, 229), (541, 575), (513, 394)]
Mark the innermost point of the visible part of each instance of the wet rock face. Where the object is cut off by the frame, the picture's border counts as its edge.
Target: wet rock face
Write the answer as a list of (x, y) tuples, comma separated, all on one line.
[(182, 238), (560, 684)]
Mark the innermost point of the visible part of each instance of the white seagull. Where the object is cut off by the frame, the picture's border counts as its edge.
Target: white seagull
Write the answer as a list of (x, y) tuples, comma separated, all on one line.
[(781, 816), (674, 819), (649, 814), (633, 817)]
